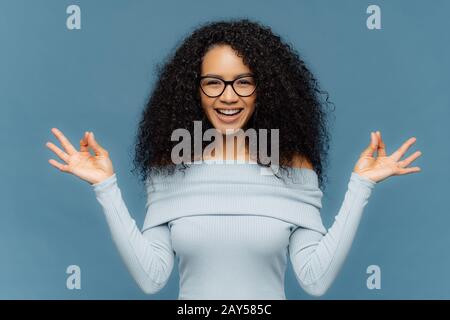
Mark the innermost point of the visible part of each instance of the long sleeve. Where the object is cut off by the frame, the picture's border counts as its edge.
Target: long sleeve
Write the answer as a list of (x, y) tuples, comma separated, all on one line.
[(318, 258), (148, 256)]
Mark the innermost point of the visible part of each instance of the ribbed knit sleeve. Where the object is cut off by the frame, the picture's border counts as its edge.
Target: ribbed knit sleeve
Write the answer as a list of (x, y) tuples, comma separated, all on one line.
[(233, 230), (148, 256), (317, 258)]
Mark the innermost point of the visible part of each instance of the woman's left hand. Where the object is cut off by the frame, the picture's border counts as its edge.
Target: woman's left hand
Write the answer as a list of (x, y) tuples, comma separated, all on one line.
[(378, 169)]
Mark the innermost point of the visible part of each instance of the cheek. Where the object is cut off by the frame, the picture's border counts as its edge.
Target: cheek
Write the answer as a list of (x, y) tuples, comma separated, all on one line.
[(206, 102), (250, 103)]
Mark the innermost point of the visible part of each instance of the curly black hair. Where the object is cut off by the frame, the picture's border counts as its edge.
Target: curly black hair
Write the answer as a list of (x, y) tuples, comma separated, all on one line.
[(288, 98)]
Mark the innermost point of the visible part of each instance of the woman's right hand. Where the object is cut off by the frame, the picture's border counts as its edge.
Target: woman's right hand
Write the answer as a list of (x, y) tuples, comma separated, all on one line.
[(91, 168)]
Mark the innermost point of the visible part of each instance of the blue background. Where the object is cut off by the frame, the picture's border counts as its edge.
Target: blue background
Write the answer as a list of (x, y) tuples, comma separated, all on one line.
[(395, 80)]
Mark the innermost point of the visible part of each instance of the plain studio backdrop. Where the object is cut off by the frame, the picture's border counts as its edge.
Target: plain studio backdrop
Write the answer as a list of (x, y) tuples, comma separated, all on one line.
[(395, 79)]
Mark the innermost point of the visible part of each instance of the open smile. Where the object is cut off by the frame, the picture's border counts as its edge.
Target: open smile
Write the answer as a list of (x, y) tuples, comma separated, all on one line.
[(228, 115)]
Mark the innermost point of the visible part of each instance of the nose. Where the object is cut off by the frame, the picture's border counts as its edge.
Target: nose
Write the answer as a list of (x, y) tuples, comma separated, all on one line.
[(228, 95)]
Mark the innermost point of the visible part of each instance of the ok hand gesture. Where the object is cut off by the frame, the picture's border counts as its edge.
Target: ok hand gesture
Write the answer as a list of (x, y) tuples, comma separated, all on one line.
[(91, 168), (383, 166)]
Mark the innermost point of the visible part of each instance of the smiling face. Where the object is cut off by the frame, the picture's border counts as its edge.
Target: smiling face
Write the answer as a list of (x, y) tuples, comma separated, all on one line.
[(222, 62)]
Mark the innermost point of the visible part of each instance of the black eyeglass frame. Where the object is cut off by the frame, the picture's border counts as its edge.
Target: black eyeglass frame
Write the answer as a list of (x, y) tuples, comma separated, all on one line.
[(229, 82)]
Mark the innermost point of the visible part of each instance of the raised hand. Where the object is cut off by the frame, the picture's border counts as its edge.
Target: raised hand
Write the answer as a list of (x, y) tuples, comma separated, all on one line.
[(378, 169), (91, 168)]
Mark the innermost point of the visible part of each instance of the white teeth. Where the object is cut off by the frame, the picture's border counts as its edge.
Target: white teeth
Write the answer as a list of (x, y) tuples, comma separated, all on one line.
[(229, 112)]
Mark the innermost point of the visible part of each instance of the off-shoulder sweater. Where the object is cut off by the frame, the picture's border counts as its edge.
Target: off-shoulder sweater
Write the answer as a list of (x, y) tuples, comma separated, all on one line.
[(233, 227)]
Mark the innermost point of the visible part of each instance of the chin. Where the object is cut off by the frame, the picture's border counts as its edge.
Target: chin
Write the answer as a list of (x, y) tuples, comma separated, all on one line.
[(229, 132), (232, 129), (233, 126)]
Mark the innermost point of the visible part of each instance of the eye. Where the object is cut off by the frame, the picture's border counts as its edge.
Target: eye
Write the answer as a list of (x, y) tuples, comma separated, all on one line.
[(245, 82), (211, 82)]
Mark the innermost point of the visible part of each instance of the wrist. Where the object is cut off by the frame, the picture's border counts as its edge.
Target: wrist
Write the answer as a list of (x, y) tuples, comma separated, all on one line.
[(364, 176), (104, 180)]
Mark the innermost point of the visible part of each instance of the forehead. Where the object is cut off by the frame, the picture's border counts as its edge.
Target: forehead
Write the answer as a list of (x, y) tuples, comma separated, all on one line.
[(223, 60)]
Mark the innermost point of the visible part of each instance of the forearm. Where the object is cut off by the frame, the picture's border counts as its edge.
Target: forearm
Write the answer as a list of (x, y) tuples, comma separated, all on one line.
[(318, 258), (147, 259)]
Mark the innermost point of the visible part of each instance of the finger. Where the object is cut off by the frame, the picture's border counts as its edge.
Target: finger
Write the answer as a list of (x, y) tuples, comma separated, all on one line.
[(60, 166), (381, 146), (98, 150), (369, 151), (408, 170), (84, 143), (410, 159), (64, 141), (401, 151), (61, 154)]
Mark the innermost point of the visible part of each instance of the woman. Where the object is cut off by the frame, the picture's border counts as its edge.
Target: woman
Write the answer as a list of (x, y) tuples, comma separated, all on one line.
[(231, 227)]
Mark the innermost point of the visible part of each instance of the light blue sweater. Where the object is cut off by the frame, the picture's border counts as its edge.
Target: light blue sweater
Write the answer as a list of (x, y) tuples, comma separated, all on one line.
[(233, 227)]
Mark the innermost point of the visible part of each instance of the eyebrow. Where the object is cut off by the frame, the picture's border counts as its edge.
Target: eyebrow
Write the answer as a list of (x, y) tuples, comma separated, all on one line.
[(235, 76)]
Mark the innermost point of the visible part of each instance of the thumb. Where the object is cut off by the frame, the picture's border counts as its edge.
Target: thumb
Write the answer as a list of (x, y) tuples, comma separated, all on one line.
[(373, 146), (84, 143), (98, 150)]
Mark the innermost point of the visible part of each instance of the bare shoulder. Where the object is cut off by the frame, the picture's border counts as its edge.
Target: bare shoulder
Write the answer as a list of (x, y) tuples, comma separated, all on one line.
[(299, 161)]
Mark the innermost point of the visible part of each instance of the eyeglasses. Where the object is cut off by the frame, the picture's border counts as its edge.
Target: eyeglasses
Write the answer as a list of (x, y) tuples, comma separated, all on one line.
[(214, 87)]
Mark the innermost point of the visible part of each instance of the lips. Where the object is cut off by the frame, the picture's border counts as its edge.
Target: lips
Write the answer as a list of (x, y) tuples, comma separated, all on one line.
[(228, 112), (228, 115)]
